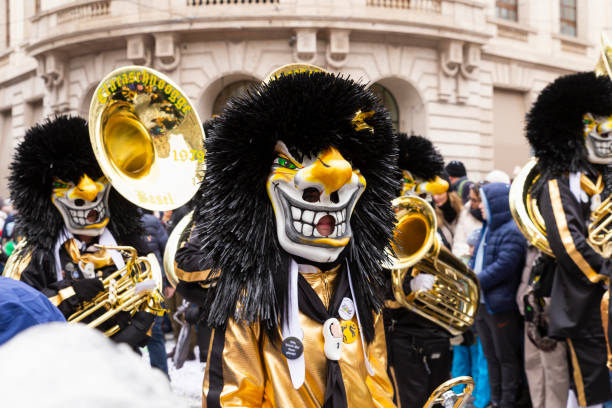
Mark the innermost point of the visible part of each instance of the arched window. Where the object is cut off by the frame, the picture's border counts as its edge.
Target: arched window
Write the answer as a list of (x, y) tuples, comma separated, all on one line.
[(389, 102), (231, 90)]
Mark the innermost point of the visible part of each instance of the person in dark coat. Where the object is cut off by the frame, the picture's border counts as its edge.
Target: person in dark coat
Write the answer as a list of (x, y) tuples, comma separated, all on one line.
[(498, 261), (156, 237)]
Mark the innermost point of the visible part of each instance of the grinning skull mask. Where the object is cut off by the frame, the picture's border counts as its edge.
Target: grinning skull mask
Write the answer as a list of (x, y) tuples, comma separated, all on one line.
[(598, 138), (313, 199), (84, 206)]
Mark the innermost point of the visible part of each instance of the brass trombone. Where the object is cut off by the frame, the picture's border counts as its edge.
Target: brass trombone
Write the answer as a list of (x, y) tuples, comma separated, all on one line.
[(453, 301)]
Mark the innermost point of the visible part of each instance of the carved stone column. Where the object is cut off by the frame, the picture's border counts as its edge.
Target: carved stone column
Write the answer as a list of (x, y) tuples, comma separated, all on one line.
[(337, 50), (167, 52), (139, 49), (52, 68), (459, 64), (305, 47)]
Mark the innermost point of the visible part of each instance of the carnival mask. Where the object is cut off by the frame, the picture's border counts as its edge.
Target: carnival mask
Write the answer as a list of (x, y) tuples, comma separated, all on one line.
[(313, 199), (598, 138), (84, 207), (417, 186)]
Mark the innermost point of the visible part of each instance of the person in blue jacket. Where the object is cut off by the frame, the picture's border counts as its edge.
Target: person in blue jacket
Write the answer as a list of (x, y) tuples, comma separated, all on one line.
[(498, 261), (21, 307)]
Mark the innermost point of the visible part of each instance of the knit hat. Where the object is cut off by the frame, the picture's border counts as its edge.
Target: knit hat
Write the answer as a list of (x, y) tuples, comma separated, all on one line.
[(455, 169)]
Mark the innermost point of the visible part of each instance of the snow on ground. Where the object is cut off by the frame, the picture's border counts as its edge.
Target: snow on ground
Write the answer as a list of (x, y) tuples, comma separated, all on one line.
[(187, 382)]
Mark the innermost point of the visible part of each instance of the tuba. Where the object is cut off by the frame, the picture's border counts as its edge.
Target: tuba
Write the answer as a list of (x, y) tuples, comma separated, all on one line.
[(453, 301), (179, 235), (524, 207), (526, 214), (600, 233), (149, 143)]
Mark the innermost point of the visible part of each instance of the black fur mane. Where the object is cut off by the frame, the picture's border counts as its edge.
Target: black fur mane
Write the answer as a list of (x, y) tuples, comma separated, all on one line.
[(308, 112)]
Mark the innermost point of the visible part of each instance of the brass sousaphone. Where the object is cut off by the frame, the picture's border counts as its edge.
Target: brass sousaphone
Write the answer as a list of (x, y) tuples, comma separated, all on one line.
[(453, 301), (149, 143)]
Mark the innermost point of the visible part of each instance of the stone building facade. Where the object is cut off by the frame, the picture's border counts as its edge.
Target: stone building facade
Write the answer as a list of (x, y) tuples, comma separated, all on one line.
[(461, 72)]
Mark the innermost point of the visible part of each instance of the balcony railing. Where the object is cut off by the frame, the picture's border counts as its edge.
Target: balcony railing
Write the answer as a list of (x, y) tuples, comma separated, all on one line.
[(432, 6), (218, 2), (84, 11)]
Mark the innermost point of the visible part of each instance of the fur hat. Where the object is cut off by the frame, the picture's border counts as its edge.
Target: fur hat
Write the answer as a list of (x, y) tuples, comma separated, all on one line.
[(59, 147), (555, 127), (419, 156), (309, 112)]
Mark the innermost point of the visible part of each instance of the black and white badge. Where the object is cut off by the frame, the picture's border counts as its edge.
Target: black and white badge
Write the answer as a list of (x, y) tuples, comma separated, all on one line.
[(292, 348)]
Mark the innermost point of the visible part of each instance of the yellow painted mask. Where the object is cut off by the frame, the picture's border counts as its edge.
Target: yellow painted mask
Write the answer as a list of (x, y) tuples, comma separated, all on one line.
[(84, 206), (313, 200), (598, 138), (417, 186)]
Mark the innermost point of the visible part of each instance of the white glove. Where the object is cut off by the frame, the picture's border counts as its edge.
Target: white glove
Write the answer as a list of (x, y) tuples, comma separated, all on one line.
[(147, 285), (423, 281), (456, 340)]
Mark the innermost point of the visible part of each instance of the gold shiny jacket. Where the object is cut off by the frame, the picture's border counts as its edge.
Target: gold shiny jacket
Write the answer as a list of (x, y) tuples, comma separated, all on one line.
[(244, 369)]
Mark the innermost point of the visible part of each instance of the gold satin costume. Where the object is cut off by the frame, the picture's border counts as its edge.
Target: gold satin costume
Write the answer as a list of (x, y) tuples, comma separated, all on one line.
[(255, 372)]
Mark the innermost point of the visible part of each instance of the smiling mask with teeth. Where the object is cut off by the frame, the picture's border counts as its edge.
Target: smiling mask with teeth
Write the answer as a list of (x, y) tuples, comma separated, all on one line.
[(313, 200), (598, 138), (84, 206)]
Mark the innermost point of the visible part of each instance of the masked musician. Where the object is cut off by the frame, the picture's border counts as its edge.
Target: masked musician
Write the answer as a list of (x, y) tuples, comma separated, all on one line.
[(414, 343), (293, 219), (64, 206), (569, 129)]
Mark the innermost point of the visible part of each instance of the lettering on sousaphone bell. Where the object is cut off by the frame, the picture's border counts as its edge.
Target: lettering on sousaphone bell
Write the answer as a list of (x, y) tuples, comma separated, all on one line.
[(147, 79), (144, 198)]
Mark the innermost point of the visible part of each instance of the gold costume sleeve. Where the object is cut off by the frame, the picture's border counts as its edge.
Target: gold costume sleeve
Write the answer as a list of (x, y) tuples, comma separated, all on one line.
[(234, 374), (379, 384)]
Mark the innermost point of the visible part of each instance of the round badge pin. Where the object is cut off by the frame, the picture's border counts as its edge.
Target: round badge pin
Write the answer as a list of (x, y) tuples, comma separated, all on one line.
[(346, 309), (292, 348), (349, 331)]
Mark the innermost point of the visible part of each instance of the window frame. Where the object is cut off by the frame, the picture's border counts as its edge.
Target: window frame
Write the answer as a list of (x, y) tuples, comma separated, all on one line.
[(509, 7), (564, 22)]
